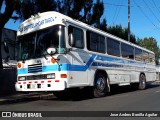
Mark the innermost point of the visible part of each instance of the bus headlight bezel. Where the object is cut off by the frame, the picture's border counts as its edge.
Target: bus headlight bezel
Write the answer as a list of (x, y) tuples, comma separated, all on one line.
[(21, 78), (50, 76)]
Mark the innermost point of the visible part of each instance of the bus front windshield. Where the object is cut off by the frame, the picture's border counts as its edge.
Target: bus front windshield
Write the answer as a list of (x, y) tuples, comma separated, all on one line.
[(35, 44)]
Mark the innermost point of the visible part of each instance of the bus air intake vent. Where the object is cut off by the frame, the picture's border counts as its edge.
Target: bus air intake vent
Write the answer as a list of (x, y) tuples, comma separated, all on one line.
[(36, 77), (34, 68)]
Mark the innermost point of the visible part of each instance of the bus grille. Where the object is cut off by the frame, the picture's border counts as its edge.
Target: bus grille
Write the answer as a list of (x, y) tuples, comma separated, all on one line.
[(34, 68), (35, 77)]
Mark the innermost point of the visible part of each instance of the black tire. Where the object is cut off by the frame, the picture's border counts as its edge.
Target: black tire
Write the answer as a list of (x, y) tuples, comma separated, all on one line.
[(101, 86), (142, 82)]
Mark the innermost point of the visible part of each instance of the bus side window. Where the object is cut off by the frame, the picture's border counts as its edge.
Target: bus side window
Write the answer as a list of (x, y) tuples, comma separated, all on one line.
[(127, 51), (95, 42), (138, 54), (113, 47), (145, 56), (151, 58), (78, 36)]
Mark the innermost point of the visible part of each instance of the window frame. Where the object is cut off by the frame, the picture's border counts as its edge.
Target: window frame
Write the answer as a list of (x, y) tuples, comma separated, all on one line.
[(126, 50), (141, 55), (83, 39), (108, 38), (146, 60), (97, 43)]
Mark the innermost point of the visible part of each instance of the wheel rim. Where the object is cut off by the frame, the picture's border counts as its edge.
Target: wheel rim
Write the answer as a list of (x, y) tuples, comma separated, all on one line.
[(100, 84), (142, 81)]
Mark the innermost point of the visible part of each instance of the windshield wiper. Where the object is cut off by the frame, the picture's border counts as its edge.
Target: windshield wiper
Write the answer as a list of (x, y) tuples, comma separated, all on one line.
[(24, 57), (44, 56)]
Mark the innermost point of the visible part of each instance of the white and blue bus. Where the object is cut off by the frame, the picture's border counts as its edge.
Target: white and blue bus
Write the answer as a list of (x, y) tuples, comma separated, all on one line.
[(57, 53)]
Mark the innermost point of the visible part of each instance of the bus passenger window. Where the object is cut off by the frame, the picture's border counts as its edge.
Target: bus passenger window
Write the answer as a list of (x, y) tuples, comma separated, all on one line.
[(113, 47), (151, 58), (138, 54), (77, 36), (95, 42), (127, 51), (145, 56)]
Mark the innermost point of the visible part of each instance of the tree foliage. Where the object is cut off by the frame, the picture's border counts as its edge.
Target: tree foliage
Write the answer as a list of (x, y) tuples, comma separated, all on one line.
[(88, 11), (5, 15), (30, 7), (98, 10), (117, 31), (151, 44), (84, 10)]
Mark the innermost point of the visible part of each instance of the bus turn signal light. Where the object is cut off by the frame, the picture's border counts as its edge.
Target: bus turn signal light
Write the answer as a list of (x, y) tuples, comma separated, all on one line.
[(19, 65), (53, 60), (63, 76)]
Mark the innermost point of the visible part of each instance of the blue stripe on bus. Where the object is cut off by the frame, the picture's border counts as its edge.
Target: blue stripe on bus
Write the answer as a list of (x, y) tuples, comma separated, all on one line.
[(64, 67), (117, 60), (70, 67), (107, 65)]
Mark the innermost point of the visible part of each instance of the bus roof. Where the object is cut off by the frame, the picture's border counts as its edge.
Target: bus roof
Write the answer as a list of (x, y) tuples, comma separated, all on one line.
[(40, 21), (47, 19)]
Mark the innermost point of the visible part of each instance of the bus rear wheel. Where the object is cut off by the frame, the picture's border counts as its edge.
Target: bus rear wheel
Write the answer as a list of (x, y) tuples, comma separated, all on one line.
[(142, 82), (101, 86)]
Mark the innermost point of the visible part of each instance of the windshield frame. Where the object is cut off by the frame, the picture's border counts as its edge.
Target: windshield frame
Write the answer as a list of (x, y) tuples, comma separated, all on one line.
[(59, 34)]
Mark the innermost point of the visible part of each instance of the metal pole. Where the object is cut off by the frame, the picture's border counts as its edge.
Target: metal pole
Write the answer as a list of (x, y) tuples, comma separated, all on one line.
[(129, 20)]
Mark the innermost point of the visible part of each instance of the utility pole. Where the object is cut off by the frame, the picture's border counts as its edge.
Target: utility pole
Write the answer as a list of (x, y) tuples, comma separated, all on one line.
[(129, 20)]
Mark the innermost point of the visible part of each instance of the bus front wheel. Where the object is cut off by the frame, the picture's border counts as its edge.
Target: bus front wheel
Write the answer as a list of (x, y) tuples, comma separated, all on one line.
[(101, 86)]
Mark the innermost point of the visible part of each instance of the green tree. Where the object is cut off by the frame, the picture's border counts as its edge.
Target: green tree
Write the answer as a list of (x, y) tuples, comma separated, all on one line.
[(10, 7), (103, 25), (121, 32), (22, 9), (151, 44), (98, 10), (86, 10), (31, 7)]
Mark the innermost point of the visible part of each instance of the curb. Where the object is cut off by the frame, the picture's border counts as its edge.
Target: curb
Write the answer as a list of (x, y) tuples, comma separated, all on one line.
[(26, 99), (156, 82)]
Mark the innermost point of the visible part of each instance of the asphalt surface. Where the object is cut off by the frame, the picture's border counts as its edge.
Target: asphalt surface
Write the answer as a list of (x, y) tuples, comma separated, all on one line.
[(121, 99)]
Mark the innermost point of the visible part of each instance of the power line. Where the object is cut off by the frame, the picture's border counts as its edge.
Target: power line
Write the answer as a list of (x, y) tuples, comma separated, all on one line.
[(151, 11), (146, 15), (122, 5), (156, 6), (114, 15), (118, 11)]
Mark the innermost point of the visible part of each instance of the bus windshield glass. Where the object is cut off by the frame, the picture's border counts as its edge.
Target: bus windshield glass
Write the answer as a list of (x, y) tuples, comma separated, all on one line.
[(35, 44)]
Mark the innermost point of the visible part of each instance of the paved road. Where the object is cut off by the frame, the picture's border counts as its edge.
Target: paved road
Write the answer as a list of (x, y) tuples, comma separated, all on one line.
[(122, 99)]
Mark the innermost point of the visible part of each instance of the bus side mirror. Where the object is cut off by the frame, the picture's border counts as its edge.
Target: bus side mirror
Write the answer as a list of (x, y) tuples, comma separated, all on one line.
[(51, 50), (71, 40), (6, 47)]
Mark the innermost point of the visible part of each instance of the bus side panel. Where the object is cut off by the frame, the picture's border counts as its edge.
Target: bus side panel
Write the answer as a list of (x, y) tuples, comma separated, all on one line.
[(78, 68)]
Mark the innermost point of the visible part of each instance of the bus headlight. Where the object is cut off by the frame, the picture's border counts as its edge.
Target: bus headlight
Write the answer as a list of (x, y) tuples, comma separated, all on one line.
[(51, 76), (22, 78)]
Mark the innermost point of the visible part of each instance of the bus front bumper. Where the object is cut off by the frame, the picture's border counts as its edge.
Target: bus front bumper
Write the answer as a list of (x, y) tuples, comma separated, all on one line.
[(40, 85)]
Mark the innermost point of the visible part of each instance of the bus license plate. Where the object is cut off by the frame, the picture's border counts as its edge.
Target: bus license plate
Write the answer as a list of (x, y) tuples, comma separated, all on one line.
[(33, 86)]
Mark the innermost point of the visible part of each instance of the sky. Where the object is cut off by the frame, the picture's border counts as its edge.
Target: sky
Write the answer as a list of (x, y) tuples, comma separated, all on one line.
[(144, 17)]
